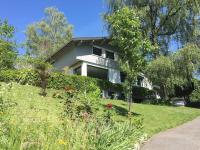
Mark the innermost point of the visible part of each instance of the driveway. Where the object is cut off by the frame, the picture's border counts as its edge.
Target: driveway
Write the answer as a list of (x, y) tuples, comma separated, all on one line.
[(184, 137)]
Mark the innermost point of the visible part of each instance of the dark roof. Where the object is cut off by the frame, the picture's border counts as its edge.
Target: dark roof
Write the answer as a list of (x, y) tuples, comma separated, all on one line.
[(81, 39)]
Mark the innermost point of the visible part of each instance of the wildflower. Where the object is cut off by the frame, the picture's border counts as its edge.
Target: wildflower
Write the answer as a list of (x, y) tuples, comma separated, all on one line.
[(69, 89), (62, 142), (85, 115), (129, 114), (109, 106)]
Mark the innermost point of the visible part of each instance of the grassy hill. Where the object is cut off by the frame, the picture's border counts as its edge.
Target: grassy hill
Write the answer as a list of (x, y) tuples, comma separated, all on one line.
[(31, 112)]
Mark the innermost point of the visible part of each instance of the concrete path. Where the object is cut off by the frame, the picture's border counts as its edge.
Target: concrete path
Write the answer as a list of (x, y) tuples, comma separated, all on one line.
[(184, 137)]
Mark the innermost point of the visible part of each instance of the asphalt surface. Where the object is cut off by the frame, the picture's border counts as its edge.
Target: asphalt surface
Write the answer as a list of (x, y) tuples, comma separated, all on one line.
[(184, 137)]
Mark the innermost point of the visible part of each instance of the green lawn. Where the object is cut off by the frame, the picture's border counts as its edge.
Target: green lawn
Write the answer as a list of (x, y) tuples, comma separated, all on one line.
[(156, 118), (30, 107)]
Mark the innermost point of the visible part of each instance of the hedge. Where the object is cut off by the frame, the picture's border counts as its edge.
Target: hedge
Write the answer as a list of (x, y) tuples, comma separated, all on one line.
[(57, 80), (141, 93)]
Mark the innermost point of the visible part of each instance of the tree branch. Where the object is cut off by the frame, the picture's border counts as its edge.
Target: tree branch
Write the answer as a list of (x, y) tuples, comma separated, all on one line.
[(168, 16)]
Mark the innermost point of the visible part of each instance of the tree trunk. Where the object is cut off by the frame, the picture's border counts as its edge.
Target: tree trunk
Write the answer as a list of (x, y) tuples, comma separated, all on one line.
[(130, 96), (165, 93)]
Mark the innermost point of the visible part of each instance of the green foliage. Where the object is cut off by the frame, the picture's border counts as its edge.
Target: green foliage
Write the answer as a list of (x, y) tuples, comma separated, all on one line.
[(40, 126), (8, 53), (23, 76), (59, 81), (5, 103), (175, 70), (195, 96), (163, 22), (187, 62), (81, 105), (141, 94), (161, 72), (43, 38), (127, 37), (43, 70), (6, 31), (36, 123)]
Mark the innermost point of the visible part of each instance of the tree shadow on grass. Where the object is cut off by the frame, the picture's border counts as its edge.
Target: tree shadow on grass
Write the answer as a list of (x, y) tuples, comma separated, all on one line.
[(193, 105), (122, 111)]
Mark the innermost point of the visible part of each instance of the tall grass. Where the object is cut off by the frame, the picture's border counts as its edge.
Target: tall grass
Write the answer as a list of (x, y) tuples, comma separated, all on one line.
[(68, 135), (31, 131)]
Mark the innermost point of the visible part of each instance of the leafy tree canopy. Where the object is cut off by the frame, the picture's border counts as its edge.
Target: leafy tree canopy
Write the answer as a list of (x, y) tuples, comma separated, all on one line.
[(176, 71), (8, 52), (187, 61), (164, 20), (161, 72), (43, 38), (133, 48)]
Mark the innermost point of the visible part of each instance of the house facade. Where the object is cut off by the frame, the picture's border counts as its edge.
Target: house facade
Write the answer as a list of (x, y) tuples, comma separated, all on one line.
[(92, 57)]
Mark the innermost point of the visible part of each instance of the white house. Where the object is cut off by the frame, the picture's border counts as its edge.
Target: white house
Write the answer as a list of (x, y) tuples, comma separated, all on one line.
[(92, 57)]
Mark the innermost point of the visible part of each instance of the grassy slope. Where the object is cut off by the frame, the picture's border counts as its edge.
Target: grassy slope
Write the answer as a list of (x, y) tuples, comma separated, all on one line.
[(32, 106)]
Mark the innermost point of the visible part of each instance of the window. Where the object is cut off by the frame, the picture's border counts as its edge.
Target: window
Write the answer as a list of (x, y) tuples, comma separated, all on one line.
[(139, 81), (96, 72), (122, 76), (97, 51), (111, 94), (110, 55)]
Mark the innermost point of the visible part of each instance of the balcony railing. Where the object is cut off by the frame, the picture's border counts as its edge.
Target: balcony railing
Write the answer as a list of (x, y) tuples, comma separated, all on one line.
[(99, 60)]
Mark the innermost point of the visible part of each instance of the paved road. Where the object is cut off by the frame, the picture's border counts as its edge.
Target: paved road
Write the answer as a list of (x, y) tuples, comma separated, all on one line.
[(184, 137)]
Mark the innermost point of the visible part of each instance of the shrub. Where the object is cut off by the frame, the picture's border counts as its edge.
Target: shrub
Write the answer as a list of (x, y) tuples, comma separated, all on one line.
[(78, 103), (195, 96), (9, 75), (23, 76), (58, 80), (141, 93)]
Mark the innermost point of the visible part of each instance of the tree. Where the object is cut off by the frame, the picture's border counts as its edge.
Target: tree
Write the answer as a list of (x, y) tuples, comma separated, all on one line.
[(43, 38), (42, 68), (164, 21), (8, 53), (161, 72), (187, 62), (126, 36)]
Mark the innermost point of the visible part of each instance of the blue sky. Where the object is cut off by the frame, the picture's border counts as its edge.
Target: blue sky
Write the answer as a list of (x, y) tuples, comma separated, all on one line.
[(84, 15)]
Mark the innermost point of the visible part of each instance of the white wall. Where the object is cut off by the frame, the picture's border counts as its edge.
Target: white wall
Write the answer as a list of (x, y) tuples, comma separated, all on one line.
[(147, 84), (84, 69), (84, 53), (74, 54), (65, 59), (114, 76)]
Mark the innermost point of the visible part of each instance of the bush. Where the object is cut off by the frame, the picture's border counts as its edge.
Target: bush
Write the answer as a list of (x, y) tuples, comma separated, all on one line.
[(24, 76), (195, 96), (9, 75), (141, 93), (58, 80)]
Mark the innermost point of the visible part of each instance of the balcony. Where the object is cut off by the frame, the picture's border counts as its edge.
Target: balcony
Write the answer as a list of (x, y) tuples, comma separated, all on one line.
[(98, 60)]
